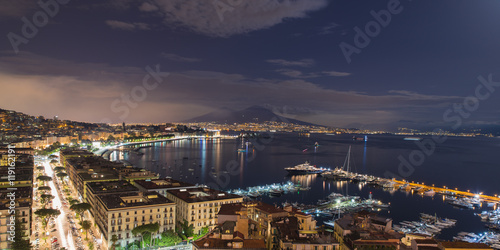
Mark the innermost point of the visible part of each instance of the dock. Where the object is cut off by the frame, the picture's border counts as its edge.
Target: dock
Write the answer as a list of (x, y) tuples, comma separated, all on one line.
[(445, 190)]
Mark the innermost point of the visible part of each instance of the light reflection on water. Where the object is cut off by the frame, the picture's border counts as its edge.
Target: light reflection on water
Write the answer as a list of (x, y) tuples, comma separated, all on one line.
[(450, 166)]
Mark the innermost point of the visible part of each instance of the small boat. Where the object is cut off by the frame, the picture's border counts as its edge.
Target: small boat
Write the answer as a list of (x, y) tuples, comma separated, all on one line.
[(430, 192), (330, 223), (276, 192), (240, 150), (462, 204), (389, 184), (413, 138), (253, 195)]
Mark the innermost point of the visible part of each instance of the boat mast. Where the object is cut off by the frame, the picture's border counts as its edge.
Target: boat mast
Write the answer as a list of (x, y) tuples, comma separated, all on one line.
[(349, 159)]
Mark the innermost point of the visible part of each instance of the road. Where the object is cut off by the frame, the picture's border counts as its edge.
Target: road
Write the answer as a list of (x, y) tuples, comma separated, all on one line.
[(62, 225)]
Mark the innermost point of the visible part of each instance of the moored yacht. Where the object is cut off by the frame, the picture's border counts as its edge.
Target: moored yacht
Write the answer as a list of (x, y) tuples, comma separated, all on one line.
[(305, 168)]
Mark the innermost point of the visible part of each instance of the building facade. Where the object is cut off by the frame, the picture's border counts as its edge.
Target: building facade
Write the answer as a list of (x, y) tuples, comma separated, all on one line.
[(200, 206)]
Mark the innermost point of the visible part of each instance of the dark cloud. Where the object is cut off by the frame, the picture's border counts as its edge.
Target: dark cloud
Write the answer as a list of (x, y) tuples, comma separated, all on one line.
[(127, 26), (178, 58), (16, 8), (286, 63)]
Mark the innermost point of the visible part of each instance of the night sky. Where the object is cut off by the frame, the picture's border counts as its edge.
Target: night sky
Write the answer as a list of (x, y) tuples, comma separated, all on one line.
[(96, 60)]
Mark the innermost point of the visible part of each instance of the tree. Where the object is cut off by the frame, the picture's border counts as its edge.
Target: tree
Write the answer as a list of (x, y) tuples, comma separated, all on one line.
[(44, 189), (186, 230), (44, 179), (20, 241), (153, 230), (40, 168), (61, 175), (46, 214), (53, 161), (45, 199), (72, 201), (59, 169), (114, 239), (169, 238), (80, 209), (146, 229), (85, 226)]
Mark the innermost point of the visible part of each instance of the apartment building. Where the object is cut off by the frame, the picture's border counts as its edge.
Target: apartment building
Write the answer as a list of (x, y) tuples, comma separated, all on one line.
[(200, 206), (120, 214)]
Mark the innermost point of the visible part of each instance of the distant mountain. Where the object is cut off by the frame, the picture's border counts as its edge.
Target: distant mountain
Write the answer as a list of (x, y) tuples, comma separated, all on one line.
[(254, 114)]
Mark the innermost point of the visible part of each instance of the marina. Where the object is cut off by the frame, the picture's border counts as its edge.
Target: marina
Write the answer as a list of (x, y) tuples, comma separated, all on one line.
[(490, 238), (262, 176), (455, 197), (428, 225), (275, 189)]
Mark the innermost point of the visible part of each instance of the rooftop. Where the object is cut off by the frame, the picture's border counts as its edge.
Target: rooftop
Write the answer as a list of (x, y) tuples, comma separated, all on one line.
[(465, 245), (201, 194), (166, 183), (287, 228), (99, 174), (75, 152), (132, 199), (111, 187), (233, 208), (426, 241), (92, 162), (212, 243)]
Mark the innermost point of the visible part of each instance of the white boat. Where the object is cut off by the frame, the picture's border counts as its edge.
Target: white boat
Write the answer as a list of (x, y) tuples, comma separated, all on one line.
[(305, 168), (430, 192), (389, 184), (413, 138)]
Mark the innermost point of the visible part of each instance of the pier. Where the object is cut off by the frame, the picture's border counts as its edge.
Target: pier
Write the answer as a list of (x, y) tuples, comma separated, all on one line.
[(445, 190)]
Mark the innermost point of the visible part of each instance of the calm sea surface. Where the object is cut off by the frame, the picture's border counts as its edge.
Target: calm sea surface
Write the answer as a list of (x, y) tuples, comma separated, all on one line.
[(464, 163)]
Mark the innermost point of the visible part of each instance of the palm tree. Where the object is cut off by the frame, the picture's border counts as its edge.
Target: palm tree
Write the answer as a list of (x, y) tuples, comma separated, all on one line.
[(85, 226), (186, 229)]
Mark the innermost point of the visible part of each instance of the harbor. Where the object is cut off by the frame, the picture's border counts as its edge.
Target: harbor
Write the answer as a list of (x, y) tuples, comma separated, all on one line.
[(263, 176), (490, 238), (455, 197), (428, 225), (275, 189)]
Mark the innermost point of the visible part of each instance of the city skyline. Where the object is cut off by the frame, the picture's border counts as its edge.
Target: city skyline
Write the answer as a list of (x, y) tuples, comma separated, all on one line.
[(169, 61)]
